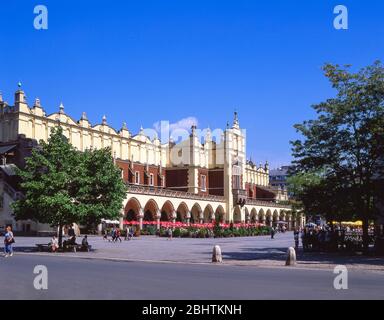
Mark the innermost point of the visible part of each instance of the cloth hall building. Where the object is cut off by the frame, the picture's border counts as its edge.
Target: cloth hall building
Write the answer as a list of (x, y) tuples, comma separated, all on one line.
[(197, 179)]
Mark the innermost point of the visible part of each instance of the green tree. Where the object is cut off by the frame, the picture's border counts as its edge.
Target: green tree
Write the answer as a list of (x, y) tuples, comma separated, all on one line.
[(98, 188), (345, 143), (63, 186)]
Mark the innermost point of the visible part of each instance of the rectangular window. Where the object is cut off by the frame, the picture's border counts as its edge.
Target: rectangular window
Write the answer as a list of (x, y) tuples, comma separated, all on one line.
[(122, 173), (236, 182), (203, 183), (151, 180), (137, 177)]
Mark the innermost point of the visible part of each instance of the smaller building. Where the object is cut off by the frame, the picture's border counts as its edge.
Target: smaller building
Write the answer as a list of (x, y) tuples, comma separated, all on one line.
[(278, 179)]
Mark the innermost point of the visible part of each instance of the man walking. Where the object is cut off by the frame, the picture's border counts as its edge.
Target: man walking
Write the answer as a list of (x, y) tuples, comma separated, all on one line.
[(296, 235), (273, 231)]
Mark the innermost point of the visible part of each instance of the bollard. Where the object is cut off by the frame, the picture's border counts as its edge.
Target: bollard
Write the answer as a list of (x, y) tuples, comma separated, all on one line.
[(291, 257), (216, 255)]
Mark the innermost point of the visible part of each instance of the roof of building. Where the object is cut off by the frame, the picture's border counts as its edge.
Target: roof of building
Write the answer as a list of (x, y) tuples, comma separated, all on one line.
[(282, 171), (5, 149), (9, 169)]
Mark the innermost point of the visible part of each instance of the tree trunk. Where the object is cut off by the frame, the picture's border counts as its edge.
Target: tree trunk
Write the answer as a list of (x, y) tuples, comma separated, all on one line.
[(60, 236), (365, 235)]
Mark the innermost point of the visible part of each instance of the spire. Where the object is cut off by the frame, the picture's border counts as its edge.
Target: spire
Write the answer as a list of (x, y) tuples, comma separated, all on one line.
[(208, 135), (104, 121), (37, 103), (236, 121), (141, 130), (124, 126), (61, 108), (83, 116), (193, 130), (1, 96), (19, 95)]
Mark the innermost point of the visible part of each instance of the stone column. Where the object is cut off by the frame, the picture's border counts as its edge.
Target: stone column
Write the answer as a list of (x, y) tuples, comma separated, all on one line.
[(201, 217), (188, 218), (121, 223), (174, 216), (141, 217), (158, 217)]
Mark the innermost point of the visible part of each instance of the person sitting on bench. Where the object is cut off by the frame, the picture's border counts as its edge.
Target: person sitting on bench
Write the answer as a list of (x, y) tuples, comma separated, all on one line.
[(70, 242), (84, 243), (54, 244)]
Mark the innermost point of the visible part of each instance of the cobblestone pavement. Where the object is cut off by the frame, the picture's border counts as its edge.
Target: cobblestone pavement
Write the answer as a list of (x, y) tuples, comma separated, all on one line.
[(257, 251)]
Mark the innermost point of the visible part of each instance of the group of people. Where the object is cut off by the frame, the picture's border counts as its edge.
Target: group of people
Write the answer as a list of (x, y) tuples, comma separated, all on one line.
[(279, 228), (328, 238), (115, 234), (54, 243)]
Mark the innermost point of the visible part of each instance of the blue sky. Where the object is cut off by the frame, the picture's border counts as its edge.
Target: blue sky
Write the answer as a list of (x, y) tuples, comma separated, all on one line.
[(146, 61)]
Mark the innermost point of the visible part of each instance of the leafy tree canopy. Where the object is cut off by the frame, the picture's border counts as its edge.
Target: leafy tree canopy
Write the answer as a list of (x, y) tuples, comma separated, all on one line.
[(64, 186), (345, 143)]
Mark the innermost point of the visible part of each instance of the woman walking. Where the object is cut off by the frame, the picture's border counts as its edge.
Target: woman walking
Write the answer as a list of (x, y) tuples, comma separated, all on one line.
[(8, 241)]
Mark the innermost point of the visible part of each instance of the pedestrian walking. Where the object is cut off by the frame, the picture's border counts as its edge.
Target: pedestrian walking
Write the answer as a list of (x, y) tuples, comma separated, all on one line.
[(118, 235), (9, 240), (273, 231), (170, 233), (296, 236), (113, 234)]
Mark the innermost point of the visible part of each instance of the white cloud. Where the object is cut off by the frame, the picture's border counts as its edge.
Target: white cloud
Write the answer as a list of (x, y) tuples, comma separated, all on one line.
[(185, 123), (178, 130)]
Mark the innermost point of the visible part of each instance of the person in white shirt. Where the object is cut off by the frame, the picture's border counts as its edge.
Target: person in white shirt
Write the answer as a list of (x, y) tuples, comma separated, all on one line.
[(54, 244)]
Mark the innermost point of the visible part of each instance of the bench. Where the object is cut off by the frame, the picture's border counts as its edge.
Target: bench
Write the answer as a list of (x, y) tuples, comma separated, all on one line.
[(77, 247), (41, 247)]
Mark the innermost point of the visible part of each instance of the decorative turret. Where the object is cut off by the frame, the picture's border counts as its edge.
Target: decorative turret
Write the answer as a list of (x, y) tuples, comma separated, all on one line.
[(104, 120), (266, 166), (61, 108), (236, 124), (208, 135), (84, 116), (37, 103), (1, 96), (193, 131), (37, 109), (124, 131), (20, 100), (84, 120)]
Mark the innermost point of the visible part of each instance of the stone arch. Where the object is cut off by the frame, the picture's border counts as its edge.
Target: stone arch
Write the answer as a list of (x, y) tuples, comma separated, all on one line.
[(282, 216), (167, 211), (253, 217), (275, 217), (196, 213), (208, 214), (261, 216), (268, 218), (132, 210), (219, 214), (237, 214), (247, 214), (182, 212), (151, 210)]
